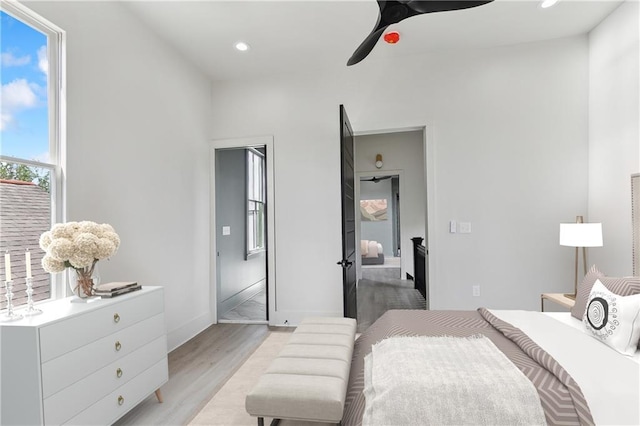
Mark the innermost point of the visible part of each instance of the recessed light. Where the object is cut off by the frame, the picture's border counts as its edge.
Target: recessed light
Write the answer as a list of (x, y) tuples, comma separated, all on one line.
[(242, 46), (548, 3)]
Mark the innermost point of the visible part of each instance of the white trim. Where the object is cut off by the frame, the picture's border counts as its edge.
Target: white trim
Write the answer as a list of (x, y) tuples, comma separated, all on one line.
[(249, 251), (391, 130), (30, 163), (431, 244), (28, 16), (56, 86), (254, 141)]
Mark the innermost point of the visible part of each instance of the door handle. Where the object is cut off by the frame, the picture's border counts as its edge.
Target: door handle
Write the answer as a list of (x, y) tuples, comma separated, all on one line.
[(344, 263)]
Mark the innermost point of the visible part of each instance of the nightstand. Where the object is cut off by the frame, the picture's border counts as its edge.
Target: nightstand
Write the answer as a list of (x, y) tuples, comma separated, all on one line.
[(558, 298)]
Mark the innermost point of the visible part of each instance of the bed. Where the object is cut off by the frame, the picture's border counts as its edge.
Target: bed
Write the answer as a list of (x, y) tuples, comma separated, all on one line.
[(578, 378), (371, 252)]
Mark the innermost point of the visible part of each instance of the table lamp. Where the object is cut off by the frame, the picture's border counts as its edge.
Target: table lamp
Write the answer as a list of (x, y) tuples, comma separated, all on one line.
[(579, 235)]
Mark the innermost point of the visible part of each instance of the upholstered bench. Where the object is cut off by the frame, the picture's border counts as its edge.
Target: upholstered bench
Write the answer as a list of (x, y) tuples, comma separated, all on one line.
[(308, 379)]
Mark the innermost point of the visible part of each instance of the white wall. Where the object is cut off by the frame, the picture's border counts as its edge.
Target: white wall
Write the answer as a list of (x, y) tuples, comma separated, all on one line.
[(138, 127), (507, 126), (614, 136), (400, 151), (509, 132)]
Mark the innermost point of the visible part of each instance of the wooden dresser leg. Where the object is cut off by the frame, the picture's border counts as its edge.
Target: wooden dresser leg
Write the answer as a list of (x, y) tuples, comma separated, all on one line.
[(159, 395)]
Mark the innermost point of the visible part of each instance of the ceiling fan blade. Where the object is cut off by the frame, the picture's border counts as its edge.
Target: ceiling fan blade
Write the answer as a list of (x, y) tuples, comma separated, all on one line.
[(430, 6), (391, 12), (394, 11), (366, 46)]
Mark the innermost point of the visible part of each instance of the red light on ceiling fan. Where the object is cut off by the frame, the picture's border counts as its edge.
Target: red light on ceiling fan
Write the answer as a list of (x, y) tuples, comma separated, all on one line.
[(392, 37)]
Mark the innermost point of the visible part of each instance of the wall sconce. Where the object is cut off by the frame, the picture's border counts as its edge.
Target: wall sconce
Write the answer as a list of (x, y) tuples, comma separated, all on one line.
[(379, 161)]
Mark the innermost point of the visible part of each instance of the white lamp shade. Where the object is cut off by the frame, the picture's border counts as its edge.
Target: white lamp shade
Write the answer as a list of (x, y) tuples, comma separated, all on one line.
[(581, 234)]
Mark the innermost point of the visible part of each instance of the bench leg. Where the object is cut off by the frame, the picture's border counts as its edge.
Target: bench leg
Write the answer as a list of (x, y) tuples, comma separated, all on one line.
[(275, 422), (260, 421)]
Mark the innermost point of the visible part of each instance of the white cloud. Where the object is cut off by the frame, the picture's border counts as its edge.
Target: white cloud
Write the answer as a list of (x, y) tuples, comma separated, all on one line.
[(5, 121), (43, 157), (15, 96), (43, 60), (8, 60)]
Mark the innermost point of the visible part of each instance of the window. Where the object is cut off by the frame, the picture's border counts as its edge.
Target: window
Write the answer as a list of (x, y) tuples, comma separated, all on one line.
[(255, 202), (31, 186)]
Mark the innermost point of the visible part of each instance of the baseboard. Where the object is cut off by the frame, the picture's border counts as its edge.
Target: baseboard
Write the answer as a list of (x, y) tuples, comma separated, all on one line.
[(186, 332), (293, 318), (241, 297)]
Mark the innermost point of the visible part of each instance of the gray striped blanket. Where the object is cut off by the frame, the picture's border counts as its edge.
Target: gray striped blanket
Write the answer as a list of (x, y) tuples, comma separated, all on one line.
[(560, 397)]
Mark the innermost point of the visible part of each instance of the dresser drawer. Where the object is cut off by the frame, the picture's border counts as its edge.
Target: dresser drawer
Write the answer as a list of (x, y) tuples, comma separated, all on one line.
[(65, 370), (70, 401), (71, 333), (111, 408)]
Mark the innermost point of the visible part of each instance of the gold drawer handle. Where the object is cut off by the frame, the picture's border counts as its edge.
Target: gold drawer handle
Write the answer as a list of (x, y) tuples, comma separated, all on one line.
[(119, 372), (120, 400), (118, 346), (116, 318)]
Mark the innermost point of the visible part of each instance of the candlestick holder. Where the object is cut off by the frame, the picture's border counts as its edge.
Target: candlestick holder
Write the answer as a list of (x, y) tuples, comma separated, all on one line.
[(9, 315), (30, 309)]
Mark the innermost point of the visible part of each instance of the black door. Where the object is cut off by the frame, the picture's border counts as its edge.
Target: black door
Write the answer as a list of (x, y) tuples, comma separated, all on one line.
[(348, 261)]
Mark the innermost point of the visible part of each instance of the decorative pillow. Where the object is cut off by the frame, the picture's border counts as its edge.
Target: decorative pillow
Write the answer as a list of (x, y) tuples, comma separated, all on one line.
[(584, 288), (623, 286), (613, 319), (364, 247)]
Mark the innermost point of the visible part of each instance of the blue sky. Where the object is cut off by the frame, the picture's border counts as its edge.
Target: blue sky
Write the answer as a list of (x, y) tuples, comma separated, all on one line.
[(23, 75)]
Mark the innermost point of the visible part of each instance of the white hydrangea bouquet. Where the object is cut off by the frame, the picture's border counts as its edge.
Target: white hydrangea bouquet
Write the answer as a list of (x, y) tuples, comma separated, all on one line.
[(78, 245)]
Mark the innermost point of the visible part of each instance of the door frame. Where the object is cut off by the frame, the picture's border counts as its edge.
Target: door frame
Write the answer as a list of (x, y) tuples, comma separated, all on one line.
[(401, 190), (239, 143), (430, 220)]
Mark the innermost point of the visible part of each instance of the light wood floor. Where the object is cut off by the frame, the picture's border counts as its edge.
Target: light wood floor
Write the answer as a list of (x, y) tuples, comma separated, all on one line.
[(197, 370)]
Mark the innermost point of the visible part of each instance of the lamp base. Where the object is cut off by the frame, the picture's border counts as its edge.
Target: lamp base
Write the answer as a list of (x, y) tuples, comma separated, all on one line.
[(570, 296)]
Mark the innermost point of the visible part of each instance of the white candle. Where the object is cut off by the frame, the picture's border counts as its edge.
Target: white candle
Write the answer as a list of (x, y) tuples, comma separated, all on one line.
[(27, 260), (7, 266)]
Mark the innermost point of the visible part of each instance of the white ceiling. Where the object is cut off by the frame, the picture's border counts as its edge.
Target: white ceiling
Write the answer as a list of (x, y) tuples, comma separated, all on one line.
[(300, 36)]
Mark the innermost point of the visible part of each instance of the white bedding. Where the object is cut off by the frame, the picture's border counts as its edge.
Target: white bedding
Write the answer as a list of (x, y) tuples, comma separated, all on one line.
[(394, 369), (609, 380), (370, 248)]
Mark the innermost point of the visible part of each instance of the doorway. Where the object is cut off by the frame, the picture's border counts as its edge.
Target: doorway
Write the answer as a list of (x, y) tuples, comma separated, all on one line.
[(241, 219), (391, 171), (380, 236)]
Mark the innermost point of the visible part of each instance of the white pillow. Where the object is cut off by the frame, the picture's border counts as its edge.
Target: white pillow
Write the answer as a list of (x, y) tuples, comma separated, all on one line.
[(613, 319), (364, 247)]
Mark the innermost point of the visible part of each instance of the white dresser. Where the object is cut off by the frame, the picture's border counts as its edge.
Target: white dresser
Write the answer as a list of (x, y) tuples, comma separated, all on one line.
[(83, 363)]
